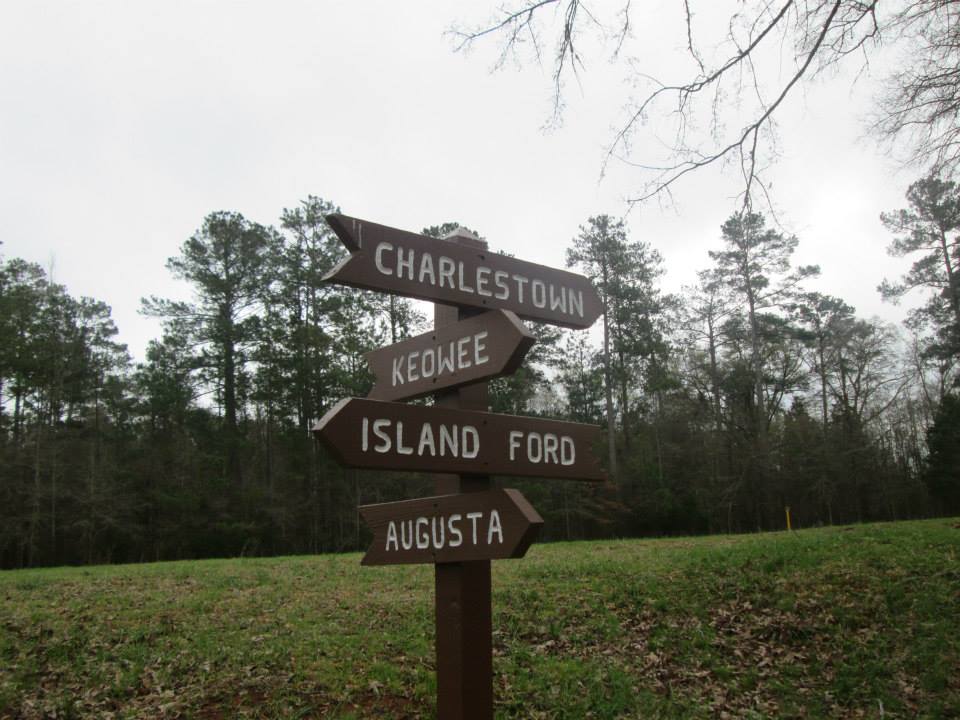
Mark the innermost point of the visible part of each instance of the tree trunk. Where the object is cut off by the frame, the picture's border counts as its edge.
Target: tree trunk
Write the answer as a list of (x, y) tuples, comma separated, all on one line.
[(92, 479), (952, 284), (608, 383), (714, 377), (758, 469), (17, 416), (624, 402), (35, 505), (230, 410)]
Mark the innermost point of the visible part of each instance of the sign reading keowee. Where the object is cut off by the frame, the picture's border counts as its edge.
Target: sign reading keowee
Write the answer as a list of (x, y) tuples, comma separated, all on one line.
[(373, 434), (405, 263), (484, 346), (451, 528)]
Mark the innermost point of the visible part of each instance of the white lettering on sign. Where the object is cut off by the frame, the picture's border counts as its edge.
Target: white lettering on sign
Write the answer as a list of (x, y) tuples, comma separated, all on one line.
[(449, 441), (521, 282), (426, 270), (447, 267), (378, 426), (378, 258), (444, 272), (483, 277), (405, 264), (545, 448), (575, 300), (426, 442), (500, 280), (473, 518), (494, 527), (456, 537), (463, 283), (478, 347), (538, 291), (401, 448), (459, 354), (558, 301), (423, 537), (440, 531)]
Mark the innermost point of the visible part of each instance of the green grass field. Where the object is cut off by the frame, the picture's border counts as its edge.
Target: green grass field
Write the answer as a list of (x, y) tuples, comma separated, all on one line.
[(839, 622)]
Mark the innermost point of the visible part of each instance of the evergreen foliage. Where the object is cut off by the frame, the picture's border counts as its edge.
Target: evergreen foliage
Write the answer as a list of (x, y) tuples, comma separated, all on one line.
[(742, 397)]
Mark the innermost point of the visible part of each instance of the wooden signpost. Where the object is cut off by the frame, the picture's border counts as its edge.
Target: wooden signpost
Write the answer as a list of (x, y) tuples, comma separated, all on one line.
[(467, 523)]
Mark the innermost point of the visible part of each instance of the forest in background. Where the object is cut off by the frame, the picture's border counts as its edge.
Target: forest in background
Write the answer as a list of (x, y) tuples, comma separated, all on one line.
[(726, 404)]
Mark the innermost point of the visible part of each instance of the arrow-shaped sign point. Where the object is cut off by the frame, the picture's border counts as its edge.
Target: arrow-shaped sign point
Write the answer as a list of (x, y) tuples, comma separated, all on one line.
[(348, 229), (488, 345), (451, 528)]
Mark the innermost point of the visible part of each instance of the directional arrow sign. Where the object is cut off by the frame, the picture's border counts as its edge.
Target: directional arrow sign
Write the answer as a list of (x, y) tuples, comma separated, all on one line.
[(451, 528), (405, 263), (484, 346), (393, 436)]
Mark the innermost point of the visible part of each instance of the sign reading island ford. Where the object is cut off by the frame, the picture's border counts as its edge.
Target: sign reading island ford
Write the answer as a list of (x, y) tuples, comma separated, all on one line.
[(405, 263), (373, 434)]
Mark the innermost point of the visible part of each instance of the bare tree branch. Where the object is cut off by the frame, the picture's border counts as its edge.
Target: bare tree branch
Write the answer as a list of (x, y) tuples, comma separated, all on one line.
[(812, 35)]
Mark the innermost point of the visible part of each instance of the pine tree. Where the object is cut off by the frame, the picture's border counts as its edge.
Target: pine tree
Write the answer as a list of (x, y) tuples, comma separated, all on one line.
[(930, 230)]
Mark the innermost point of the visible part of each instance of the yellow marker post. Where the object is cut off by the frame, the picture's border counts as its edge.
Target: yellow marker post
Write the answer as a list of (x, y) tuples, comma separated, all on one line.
[(787, 509)]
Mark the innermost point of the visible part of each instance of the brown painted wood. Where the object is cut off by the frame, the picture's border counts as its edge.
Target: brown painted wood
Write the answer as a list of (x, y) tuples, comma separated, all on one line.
[(392, 436), (463, 616), (489, 525), (488, 345), (405, 263)]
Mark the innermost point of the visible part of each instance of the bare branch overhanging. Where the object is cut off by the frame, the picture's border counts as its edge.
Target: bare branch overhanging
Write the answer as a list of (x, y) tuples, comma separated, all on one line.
[(921, 106)]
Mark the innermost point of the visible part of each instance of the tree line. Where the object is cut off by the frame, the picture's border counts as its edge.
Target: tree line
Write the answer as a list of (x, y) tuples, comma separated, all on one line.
[(724, 405)]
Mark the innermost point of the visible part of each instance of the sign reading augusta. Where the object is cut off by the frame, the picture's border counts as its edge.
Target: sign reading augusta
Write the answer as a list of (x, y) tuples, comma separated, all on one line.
[(405, 263), (373, 434), (487, 345), (451, 528)]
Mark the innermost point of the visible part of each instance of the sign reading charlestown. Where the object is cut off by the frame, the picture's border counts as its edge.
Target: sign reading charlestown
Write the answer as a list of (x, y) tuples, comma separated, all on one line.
[(451, 528), (373, 434), (484, 346), (405, 263)]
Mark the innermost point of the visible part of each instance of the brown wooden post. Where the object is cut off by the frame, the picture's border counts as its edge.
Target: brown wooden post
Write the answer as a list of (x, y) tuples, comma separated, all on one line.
[(464, 623)]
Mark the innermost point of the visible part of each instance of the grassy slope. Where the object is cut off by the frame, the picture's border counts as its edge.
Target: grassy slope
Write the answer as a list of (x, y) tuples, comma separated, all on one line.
[(836, 622)]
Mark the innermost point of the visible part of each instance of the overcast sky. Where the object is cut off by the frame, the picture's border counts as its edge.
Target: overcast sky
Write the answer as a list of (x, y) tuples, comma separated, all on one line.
[(123, 124)]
